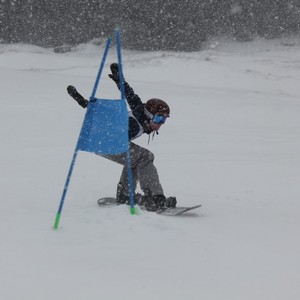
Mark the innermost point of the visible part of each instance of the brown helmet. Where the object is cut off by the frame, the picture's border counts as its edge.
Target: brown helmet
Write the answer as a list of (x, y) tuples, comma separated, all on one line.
[(157, 106)]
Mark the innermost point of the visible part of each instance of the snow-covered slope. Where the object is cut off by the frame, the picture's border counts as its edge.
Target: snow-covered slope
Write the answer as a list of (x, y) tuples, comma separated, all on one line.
[(232, 144)]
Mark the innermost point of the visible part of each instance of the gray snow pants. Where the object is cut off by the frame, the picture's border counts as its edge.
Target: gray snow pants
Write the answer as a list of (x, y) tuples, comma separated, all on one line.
[(143, 169)]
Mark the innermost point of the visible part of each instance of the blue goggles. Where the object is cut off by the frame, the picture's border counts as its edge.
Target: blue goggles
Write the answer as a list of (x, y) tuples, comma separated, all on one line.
[(159, 119)]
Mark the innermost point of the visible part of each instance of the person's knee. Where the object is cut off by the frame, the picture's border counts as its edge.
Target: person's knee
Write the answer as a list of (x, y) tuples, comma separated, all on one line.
[(148, 156)]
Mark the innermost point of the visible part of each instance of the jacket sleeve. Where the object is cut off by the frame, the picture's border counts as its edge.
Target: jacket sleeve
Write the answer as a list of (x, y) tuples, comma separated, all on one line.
[(133, 99), (77, 97)]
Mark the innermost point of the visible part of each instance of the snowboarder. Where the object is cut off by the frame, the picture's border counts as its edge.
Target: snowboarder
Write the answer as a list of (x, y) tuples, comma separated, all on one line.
[(143, 118)]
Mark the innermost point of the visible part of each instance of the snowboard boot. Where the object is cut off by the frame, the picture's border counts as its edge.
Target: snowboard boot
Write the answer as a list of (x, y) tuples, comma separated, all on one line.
[(171, 202), (123, 198), (157, 202)]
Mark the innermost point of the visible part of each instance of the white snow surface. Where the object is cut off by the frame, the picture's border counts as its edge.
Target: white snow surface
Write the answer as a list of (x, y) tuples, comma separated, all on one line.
[(231, 143)]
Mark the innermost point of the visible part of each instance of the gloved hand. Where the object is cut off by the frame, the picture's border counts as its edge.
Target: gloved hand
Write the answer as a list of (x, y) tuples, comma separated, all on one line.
[(76, 96), (114, 73), (72, 91)]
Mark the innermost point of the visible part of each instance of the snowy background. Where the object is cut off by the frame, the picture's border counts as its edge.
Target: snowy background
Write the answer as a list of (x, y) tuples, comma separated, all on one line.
[(231, 144)]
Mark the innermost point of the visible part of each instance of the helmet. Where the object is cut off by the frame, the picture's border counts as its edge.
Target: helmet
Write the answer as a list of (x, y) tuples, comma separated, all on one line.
[(156, 106)]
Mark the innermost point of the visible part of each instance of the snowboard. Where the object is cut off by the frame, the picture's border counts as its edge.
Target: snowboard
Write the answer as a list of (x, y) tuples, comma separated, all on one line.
[(167, 211)]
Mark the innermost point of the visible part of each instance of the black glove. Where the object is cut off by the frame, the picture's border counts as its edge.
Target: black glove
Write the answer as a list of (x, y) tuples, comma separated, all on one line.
[(114, 68), (76, 96)]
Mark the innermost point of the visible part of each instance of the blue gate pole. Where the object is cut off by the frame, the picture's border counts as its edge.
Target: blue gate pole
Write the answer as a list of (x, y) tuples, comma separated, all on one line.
[(100, 69), (128, 160), (65, 190), (58, 215)]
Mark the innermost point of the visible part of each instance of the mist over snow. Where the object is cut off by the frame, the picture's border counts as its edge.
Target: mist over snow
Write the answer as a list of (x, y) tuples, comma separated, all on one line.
[(231, 144)]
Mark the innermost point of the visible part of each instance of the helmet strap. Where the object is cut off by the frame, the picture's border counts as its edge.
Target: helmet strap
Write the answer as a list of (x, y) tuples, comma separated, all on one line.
[(153, 134), (148, 113)]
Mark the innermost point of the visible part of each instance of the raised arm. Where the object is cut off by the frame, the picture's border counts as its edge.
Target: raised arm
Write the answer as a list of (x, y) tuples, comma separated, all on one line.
[(133, 99), (77, 97)]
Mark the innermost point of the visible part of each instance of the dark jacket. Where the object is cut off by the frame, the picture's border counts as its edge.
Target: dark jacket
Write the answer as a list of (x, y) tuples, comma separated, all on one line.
[(137, 120)]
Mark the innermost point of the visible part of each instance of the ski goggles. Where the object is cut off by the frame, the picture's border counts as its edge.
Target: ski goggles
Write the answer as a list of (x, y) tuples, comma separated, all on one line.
[(159, 119)]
